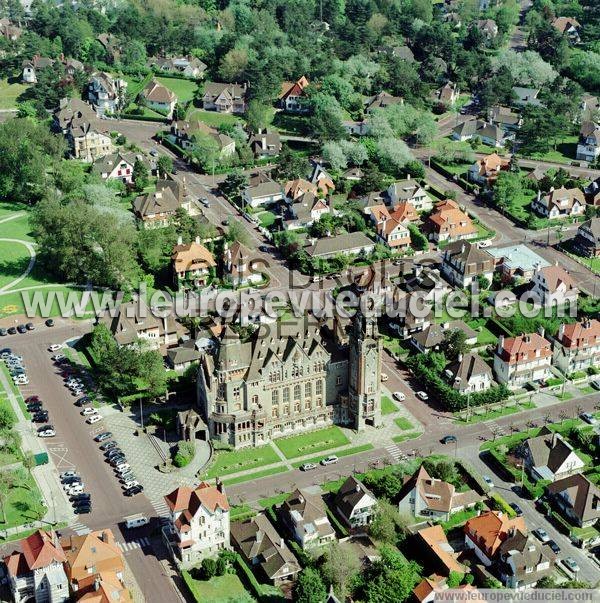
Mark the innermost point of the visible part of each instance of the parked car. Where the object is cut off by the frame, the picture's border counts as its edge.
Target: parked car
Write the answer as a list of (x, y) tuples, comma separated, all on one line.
[(384, 377), (83, 510), (423, 395), (68, 474), (571, 564), (399, 396), (515, 507), (88, 410), (553, 547), (588, 417), (32, 399), (93, 419), (449, 439), (12, 330), (22, 329), (82, 496), (595, 383), (81, 502), (308, 466), (69, 482), (130, 484), (133, 491), (30, 326), (83, 401), (263, 248), (3, 332), (108, 446), (488, 480), (46, 431), (105, 435), (329, 460), (49, 323), (541, 534), (40, 416)]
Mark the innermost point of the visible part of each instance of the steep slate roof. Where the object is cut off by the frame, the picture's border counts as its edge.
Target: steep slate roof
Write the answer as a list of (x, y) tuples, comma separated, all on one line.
[(407, 189), (549, 449), (132, 318), (478, 127), (555, 197), (475, 260), (562, 24), (468, 366), (434, 334), (583, 496), (350, 494), (525, 551), (190, 256), (503, 115), (382, 100), (308, 511), (37, 551), (257, 538), (593, 226)]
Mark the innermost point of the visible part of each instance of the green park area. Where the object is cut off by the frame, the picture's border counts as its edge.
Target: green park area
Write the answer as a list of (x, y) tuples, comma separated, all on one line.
[(234, 461), (312, 442)]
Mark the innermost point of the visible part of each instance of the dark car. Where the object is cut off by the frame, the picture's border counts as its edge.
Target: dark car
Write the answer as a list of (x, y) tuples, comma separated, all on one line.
[(35, 408), (117, 460), (515, 507), (448, 439), (3, 332), (5, 352), (82, 510), (32, 399), (553, 546), (113, 451), (82, 502), (133, 490), (30, 326), (22, 329), (83, 401), (105, 435), (12, 330), (49, 323), (108, 446), (40, 417), (75, 479), (263, 248), (82, 496)]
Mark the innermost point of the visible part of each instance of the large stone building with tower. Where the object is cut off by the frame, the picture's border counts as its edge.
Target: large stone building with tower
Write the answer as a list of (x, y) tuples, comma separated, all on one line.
[(290, 377)]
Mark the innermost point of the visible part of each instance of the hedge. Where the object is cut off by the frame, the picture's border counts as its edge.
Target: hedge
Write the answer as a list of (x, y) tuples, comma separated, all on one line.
[(500, 504), (250, 578), (339, 528), (135, 117), (303, 557), (189, 582), (473, 475)]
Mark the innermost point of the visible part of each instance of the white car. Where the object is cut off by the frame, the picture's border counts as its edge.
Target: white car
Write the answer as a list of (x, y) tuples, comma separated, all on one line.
[(89, 411), (54, 347), (21, 380), (122, 467), (73, 484), (93, 419), (58, 357), (399, 396), (422, 395), (384, 377), (47, 433), (571, 564), (130, 484), (329, 460)]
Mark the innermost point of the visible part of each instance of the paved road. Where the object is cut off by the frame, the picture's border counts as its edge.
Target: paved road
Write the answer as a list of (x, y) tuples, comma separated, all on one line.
[(74, 448)]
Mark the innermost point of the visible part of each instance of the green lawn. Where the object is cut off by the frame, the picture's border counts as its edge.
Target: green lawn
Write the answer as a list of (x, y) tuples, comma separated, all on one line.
[(212, 118), (216, 590), (403, 423), (183, 89), (134, 84), (9, 93), (387, 406), (23, 504), (14, 259), (406, 436), (294, 125), (311, 443), (267, 218), (494, 414), (17, 228), (241, 460), (255, 475), (339, 453), (565, 152)]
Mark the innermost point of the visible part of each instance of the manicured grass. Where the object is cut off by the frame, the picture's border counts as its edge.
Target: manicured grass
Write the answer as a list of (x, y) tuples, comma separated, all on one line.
[(134, 84), (9, 92), (183, 89), (387, 406), (312, 442), (564, 397), (23, 504), (588, 389), (458, 519), (273, 500), (406, 436), (565, 152), (17, 228), (256, 475), (14, 259), (294, 125), (267, 218), (212, 118), (494, 414), (242, 460), (339, 453), (218, 589), (403, 423)]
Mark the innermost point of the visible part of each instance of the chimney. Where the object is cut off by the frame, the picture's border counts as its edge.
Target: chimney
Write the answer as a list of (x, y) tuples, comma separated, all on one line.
[(198, 240), (219, 485), (259, 536), (542, 331), (357, 487), (500, 343), (408, 176), (281, 542), (179, 240), (460, 357)]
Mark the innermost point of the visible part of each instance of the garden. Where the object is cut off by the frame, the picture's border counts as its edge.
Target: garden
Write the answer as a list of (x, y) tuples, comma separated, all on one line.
[(234, 461), (312, 442)]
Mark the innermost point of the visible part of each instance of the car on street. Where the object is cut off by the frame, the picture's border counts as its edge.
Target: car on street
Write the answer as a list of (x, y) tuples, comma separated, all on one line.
[(83, 510), (105, 435), (32, 399), (82, 496), (449, 439), (108, 446), (154, 152), (553, 547), (35, 408), (54, 347), (69, 482), (263, 248), (384, 377), (588, 417), (204, 201), (81, 502), (122, 467), (595, 383), (22, 329), (133, 491), (515, 507), (3, 332), (49, 323), (46, 431), (59, 358), (89, 410), (423, 395), (12, 330), (488, 480), (541, 535), (113, 453), (570, 564), (93, 419), (329, 460), (5, 353), (30, 326), (68, 474), (399, 396), (308, 466), (83, 401), (41, 416)]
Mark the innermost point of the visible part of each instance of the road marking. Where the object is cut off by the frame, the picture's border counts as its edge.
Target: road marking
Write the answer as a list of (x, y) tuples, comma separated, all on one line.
[(59, 452), (80, 529), (132, 545), (161, 507)]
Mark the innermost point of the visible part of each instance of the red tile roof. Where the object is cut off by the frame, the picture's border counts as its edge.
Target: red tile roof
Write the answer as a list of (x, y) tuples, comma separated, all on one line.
[(489, 530), (581, 334), (38, 550), (515, 349), (186, 499)]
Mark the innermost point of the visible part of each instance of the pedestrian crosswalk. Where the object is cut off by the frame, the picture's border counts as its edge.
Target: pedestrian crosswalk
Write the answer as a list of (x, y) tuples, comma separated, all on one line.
[(80, 529), (132, 545), (160, 506), (396, 453)]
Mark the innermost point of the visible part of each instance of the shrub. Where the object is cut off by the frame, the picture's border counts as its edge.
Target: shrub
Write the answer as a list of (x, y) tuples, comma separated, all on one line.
[(185, 453), (499, 504), (209, 568)]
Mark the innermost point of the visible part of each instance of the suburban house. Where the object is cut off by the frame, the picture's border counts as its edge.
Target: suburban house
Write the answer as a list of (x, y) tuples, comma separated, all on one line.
[(485, 170), (560, 203), (184, 132), (156, 209), (587, 240), (409, 190), (322, 179), (389, 231), (488, 133), (224, 98), (425, 281), (238, 267), (350, 243), (588, 147), (425, 496), (409, 321), (505, 118), (488, 28), (355, 127), (485, 534), (95, 566), (262, 190), (464, 263), (427, 589), (192, 264), (553, 285), (355, 504), (292, 97), (446, 95), (260, 545), (265, 144), (577, 346), (577, 498), (517, 262), (523, 97), (86, 142), (550, 457), (304, 211), (198, 525), (294, 189), (159, 98), (135, 322), (405, 213), (470, 374), (305, 515), (433, 336), (435, 548), (72, 110), (569, 27), (523, 560), (590, 107), (115, 166), (37, 572), (106, 93), (188, 66), (449, 223), (381, 101), (32, 66), (519, 360), (183, 356)]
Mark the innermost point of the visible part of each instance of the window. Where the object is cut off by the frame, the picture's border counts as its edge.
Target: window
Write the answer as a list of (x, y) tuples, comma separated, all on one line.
[(275, 396), (338, 380), (319, 388), (254, 399), (275, 412), (297, 392), (308, 390), (286, 394), (236, 392), (297, 406)]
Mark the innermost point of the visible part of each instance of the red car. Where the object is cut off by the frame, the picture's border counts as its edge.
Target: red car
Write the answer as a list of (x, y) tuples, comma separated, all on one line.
[(31, 399)]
